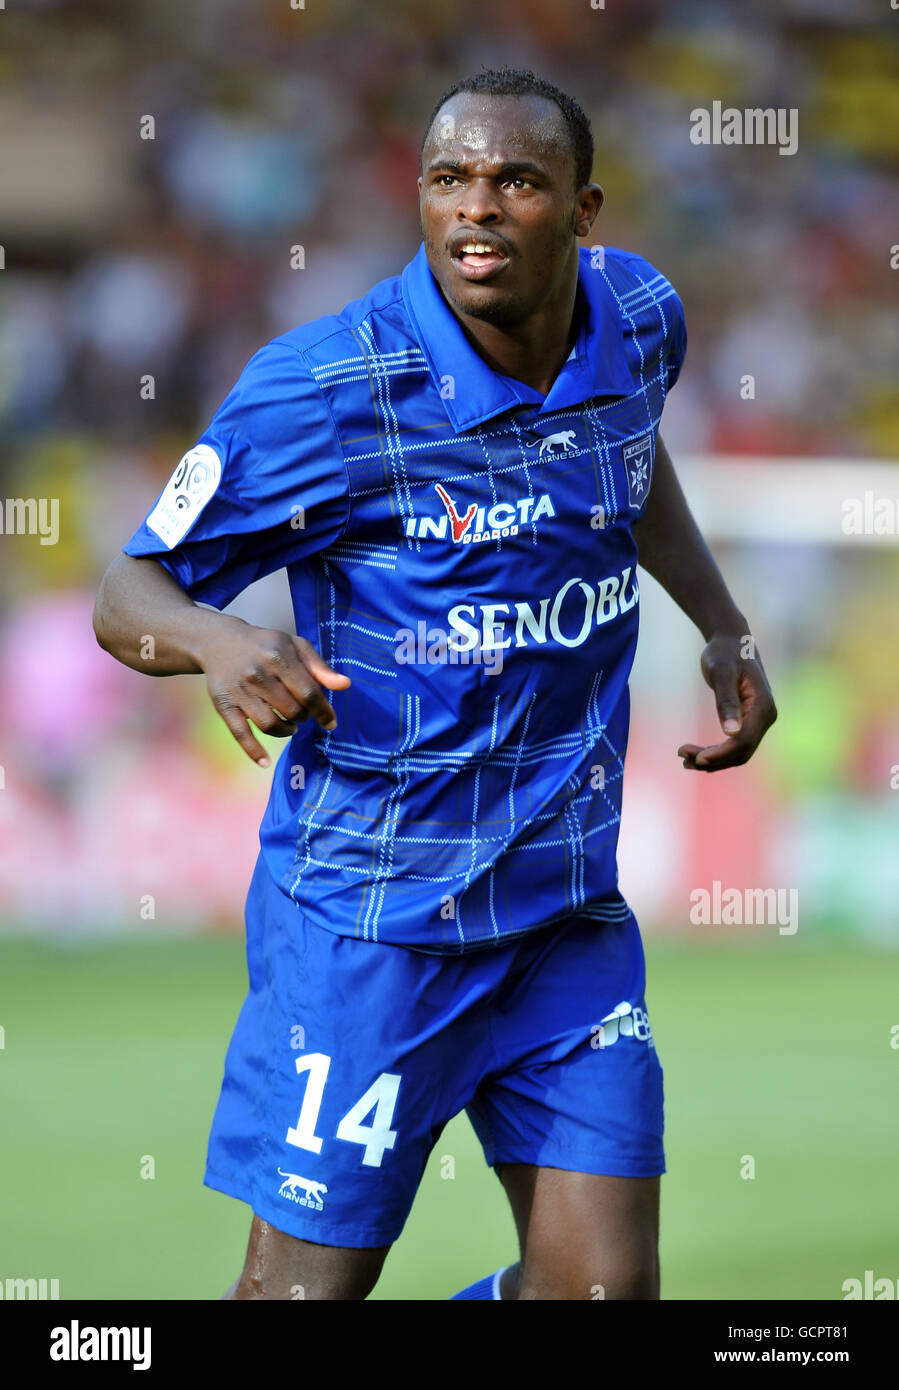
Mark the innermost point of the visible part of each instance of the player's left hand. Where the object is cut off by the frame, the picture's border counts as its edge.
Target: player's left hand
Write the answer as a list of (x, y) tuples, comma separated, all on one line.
[(744, 701)]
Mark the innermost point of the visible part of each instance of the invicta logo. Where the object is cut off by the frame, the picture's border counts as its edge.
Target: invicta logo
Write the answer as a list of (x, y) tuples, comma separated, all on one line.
[(469, 525)]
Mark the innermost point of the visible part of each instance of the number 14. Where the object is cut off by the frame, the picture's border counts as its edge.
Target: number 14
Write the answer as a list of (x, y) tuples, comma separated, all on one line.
[(380, 1097)]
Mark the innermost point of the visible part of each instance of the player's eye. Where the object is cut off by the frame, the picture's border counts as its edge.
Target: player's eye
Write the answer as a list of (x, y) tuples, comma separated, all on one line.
[(444, 180), (521, 181)]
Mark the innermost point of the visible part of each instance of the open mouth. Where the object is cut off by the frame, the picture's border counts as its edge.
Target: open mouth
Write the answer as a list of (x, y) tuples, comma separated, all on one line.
[(478, 260)]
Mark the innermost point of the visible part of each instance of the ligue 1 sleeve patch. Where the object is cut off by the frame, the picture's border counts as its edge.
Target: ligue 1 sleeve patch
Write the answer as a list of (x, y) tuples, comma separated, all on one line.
[(186, 493), (638, 466)]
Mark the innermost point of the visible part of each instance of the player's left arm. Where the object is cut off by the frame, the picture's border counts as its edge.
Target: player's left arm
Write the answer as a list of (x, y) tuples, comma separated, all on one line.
[(673, 550)]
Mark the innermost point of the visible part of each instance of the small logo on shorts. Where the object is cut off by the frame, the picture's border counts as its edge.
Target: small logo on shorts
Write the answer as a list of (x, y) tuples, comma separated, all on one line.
[(622, 1022), (312, 1191)]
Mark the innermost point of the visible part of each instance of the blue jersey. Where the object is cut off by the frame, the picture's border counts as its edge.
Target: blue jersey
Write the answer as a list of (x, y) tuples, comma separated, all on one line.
[(462, 548)]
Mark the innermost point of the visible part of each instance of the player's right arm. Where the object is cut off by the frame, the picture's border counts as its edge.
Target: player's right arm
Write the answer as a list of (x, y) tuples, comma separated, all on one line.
[(265, 487), (146, 621)]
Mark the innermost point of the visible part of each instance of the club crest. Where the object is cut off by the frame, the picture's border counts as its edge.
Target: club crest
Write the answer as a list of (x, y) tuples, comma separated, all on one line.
[(638, 467)]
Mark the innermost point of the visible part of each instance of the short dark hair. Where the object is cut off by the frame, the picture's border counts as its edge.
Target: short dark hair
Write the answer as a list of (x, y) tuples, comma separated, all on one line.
[(520, 82)]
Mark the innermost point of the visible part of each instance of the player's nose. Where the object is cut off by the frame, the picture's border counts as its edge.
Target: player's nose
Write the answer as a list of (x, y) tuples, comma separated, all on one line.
[(479, 203)]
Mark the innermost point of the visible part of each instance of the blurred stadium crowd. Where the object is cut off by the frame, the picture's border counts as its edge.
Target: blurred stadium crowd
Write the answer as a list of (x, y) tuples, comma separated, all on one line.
[(129, 258)]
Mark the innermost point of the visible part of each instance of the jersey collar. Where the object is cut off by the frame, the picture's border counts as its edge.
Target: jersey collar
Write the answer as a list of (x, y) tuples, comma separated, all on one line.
[(598, 365)]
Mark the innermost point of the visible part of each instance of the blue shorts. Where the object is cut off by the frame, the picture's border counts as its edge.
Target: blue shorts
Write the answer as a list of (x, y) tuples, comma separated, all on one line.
[(350, 1056)]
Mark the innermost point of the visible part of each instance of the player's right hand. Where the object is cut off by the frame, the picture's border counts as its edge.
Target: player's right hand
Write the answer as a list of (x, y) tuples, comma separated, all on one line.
[(269, 677)]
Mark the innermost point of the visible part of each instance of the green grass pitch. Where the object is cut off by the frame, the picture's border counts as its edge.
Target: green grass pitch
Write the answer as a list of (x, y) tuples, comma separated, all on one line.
[(779, 1049)]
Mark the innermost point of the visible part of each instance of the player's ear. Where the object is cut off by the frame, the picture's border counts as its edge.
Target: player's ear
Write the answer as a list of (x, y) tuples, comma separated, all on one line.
[(419, 185), (588, 201)]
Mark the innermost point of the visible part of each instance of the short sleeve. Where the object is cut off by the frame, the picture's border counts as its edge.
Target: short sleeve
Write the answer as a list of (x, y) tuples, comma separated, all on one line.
[(676, 342), (266, 485)]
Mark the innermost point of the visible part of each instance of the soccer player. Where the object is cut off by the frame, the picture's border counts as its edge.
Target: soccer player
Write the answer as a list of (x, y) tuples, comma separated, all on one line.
[(460, 472)]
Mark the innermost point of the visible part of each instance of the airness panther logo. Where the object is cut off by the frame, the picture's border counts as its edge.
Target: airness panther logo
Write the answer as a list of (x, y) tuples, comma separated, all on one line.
[(562, 442), (312, 1190)]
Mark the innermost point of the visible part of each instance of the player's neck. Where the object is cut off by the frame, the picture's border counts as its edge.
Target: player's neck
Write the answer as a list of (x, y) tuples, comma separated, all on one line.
[(533, 350)]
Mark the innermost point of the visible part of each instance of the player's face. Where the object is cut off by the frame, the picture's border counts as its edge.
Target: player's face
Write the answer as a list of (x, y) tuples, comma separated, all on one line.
[(498, 175)]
